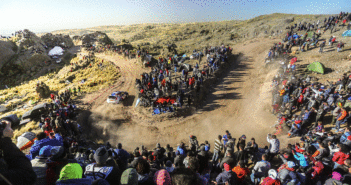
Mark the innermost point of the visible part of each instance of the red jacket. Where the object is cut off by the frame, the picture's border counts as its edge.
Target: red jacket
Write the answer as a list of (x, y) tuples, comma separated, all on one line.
[(340, 157), (270, 181)]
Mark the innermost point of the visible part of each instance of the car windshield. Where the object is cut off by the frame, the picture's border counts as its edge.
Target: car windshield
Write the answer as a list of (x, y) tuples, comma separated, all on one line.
[(112, 97)]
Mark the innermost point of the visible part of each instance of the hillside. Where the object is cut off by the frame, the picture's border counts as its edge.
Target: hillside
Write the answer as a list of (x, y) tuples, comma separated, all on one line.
[(239, 101), (190, 36)]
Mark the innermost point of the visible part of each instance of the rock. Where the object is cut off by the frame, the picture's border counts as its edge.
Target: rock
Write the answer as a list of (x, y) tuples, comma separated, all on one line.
[(33, 69)]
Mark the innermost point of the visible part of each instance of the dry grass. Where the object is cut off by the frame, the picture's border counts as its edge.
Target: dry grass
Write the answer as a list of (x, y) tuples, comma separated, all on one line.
[(23, 97)]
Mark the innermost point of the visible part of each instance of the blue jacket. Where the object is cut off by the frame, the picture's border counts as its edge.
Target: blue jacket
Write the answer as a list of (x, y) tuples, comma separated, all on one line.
[(57, 141), (75, 182), (343, 138), (181, 151), (122, 154), (301, 158)]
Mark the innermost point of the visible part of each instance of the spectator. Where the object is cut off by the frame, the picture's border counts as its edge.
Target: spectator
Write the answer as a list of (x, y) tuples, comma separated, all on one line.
[(100, 170), (143, 169), (241, 171), (18, 169), (39, 164), (217, 149), (162, 177), (274, 146), (129, 177), (228, 176), (72, 174), (260, 169)]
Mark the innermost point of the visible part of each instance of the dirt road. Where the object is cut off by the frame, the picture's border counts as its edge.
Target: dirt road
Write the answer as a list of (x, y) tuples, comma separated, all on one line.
[(240, 103)]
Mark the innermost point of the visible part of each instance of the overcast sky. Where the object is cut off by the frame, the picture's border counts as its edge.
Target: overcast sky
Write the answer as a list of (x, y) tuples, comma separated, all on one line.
[(50, 15)]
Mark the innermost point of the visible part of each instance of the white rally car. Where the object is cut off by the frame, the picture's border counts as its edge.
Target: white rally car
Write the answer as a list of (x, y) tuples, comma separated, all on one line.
[(117, 97)]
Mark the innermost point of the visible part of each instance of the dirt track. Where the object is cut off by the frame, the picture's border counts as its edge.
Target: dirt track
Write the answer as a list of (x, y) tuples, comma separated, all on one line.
[(240, 103)]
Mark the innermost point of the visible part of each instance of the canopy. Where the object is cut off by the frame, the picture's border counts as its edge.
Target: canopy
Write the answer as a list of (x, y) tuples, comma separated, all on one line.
[(347, 33), (26, 140), (316, 67), (57, 50)]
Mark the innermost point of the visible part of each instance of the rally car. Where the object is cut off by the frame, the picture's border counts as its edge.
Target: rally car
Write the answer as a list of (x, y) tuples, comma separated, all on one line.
[(117, 96)]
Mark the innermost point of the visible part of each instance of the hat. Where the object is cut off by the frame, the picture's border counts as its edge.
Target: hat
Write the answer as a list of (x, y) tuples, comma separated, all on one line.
[(71, 171), (162, 177), (272, 174), (129, 177), (291, 164), (45, 151), (101, 155), (168, 163), (337, 176), (57, 152)]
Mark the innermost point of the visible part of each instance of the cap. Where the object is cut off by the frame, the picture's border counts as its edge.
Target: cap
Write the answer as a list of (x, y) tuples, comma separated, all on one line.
[(45, 151), (101, 155)]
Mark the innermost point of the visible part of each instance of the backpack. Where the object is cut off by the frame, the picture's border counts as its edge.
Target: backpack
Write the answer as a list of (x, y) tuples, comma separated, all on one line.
[(270, 181)]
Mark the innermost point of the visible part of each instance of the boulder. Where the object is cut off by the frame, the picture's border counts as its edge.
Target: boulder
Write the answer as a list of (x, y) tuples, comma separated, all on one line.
[(6, 52)]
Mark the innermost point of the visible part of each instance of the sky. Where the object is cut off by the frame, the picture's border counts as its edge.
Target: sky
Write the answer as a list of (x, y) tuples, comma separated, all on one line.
[(50, 15)]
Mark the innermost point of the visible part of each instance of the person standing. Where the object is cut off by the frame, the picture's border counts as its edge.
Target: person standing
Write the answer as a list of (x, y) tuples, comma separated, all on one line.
[(274, 146), (218, 147)]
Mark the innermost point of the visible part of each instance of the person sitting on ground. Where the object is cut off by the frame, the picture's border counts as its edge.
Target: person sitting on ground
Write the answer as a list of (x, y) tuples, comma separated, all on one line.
[(162, 177), (260, 169), (272, 178), (185, 176), (241, 171), (43, 140), (143, 169), (129, 177), (18, 169), (99, 170), (123, 156), (39, 164), (55, 163), (227, 176), (194, 165), (72, 173)]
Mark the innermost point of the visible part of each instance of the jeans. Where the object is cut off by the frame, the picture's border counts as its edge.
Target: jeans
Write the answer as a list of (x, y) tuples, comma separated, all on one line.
[(337, 124), (215, 156), (339, 49)]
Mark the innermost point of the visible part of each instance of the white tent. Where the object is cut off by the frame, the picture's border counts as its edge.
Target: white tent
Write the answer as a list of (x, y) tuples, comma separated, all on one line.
[(57, 50)]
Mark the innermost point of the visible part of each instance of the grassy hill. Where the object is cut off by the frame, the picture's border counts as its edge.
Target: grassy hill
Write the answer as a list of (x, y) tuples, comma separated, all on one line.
[(189, 36)]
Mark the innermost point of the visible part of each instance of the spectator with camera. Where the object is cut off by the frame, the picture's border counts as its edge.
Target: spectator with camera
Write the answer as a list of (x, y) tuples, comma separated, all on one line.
[(16, 169)]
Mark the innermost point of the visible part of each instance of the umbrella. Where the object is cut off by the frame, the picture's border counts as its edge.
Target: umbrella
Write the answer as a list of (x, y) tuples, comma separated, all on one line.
[(26, 140)]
